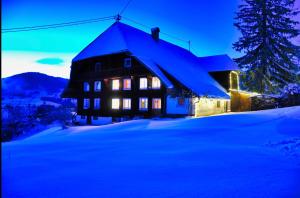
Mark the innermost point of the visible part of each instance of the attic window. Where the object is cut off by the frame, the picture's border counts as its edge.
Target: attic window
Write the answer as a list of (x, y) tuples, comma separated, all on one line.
[(98, 67), (127, 62)]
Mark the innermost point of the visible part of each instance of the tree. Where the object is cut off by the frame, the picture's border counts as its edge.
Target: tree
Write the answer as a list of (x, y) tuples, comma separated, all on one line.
[(270, 59)]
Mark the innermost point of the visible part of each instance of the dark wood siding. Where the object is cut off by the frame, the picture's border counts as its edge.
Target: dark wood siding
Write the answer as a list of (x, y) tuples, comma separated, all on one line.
[(112, 67)]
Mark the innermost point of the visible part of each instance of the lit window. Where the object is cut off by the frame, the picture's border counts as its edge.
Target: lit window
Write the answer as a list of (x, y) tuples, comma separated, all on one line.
[(126, 103), (97, 103), (156, 103), (143, 104), (143, 83), (127, 62), (218, 104), (97, 67), (86, 86), (127, 84), (86, 103), (115, 85), (115, 103), (155, 83), (97, 86)]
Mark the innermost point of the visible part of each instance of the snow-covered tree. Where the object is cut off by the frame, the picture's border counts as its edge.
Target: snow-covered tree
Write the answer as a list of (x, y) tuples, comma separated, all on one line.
[(270, 59)]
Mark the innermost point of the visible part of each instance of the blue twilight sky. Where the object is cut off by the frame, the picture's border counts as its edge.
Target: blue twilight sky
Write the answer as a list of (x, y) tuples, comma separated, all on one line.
[(207, 23)]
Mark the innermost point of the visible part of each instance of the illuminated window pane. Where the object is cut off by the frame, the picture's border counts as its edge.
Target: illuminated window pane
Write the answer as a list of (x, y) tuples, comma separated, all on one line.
[(115, 104), (97, 103), (155, 83), (97, 85), (126, 103), (143, 103), (143, 83), (156, 103), (86, 86), (127, 84), (115, 85), (86, 103)]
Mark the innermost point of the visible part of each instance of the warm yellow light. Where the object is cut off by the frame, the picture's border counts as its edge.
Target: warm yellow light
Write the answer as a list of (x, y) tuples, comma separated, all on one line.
[(115, 85), (115, 104)]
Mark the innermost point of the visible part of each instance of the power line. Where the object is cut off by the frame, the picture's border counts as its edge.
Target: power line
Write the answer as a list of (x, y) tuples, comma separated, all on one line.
[(124, 8), (55, 25)]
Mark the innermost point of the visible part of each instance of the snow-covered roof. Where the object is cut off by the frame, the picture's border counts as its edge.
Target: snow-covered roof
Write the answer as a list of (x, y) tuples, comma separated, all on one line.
[(218, 63), (176, 61)]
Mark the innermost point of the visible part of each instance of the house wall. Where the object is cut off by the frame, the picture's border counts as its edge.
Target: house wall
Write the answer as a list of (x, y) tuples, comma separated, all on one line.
[(240, 101), (179, 106), (208, 106), (112, 67)]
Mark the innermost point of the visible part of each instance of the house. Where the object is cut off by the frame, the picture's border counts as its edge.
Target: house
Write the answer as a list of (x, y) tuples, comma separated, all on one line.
[(126, 72)]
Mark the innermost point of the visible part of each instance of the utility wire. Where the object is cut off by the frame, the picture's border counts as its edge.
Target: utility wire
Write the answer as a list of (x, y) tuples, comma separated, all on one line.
[(124, 8), (55, 25)]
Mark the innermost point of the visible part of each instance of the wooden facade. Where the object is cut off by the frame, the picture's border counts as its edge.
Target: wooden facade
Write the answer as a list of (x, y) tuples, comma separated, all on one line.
[(111, 68)]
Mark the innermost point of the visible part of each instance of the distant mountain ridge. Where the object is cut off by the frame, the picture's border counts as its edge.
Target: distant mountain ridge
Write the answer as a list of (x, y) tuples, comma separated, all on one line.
[(32, 84)]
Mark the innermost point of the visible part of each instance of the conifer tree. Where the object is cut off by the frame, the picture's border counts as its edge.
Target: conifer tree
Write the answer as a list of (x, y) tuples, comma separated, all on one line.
[(270, 59)]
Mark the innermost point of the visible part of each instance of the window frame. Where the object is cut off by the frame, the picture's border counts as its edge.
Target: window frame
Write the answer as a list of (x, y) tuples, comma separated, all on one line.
[(112, 103), (86, 107), (98, 67), (112, 84), (88, 87), (97, 99), (125, 79), (153, 103), (143, 88), (147, 104), (127, 62), (97, 90), (158, 80), (124, 106)]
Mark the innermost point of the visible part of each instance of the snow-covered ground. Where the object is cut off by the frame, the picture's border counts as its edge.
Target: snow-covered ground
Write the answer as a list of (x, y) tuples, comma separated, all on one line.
[(254, 154)]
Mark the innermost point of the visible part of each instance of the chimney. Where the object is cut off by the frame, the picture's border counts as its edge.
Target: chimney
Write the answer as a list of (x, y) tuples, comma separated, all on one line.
[(155, 33)]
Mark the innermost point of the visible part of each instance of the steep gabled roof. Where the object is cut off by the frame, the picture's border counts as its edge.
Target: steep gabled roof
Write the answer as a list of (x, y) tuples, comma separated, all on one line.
[(176, 61), (218, 63)]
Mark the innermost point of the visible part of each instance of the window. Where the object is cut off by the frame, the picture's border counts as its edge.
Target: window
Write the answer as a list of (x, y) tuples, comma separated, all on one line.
[(97, 86), (180, 101), (127, 62), (86, 86), (143, 104), (97, 103), (98, 67), (115, 85), (126, 103), (86, 103), (218, 104), (156, 103), (82, 117), (143, 83), (127, 84), (155, 83), (115, 104)]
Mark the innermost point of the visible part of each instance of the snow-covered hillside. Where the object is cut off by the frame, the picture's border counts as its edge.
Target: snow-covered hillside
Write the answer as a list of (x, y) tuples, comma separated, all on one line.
[(254, 154)]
